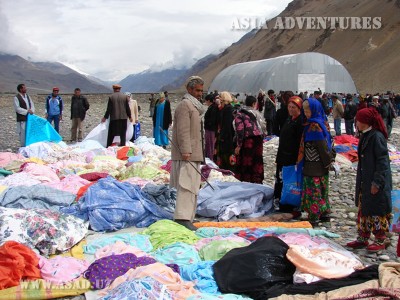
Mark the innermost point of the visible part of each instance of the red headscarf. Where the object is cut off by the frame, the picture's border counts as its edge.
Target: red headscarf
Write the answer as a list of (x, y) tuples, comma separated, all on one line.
[(371, 117), (296, 100)]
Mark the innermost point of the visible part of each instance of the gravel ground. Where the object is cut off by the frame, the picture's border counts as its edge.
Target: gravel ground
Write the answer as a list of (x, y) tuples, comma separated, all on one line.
[(341, 188)]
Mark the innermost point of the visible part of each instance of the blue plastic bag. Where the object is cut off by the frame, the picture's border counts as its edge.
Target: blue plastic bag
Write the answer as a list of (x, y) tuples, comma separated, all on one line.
[(395, 226), (292, 177), (136, 131)]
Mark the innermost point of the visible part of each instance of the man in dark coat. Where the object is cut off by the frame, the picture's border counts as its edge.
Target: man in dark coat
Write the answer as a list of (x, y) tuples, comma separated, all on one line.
[(79, 106), (119, 111), (270, 111), (350, 112)]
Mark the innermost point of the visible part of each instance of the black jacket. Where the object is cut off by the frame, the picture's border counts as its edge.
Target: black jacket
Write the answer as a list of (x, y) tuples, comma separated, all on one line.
[(79, 106), (373, 168), (289, 141), (210, 118)]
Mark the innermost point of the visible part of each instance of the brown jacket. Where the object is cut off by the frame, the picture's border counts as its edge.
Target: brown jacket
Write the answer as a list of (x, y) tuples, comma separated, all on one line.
[(118, 107), (187, 132)]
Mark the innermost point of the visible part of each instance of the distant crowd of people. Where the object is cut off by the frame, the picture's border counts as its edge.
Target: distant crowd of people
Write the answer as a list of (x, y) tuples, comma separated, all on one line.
[(233, 134)]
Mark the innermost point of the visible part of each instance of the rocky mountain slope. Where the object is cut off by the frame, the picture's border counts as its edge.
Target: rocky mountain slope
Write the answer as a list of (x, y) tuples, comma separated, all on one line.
[(42, 76), (370, 55)]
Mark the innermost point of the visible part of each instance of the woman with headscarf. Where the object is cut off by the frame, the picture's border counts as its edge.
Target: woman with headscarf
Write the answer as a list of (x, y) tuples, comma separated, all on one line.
[(373, 181), (289, 144), (250, 129), (315, 154), (224, 148), (162, 119)]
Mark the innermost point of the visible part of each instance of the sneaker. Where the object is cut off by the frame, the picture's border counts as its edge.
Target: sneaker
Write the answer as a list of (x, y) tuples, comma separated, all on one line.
[(357, 244), (187, 224), (376, 247)]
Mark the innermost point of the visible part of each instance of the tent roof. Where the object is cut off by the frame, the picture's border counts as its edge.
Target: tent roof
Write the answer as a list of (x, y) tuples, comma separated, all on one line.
[(296, 72)]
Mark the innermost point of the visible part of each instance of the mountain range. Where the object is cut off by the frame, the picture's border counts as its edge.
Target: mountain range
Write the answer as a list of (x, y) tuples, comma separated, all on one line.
[(370, 55), (40, 77)]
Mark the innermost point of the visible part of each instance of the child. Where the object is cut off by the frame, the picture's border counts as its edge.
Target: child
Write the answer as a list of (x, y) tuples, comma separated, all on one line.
[(373, 182)]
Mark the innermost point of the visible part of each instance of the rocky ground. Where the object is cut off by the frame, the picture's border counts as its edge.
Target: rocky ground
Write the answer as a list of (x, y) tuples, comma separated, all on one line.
[(341, 188)]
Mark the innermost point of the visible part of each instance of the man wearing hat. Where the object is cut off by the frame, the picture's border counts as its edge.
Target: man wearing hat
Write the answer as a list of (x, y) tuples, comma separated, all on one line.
[(119, 111), (350, 112), (54, 108)]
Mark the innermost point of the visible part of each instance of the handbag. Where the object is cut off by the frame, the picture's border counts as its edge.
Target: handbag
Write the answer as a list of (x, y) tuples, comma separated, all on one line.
[(292, 177)]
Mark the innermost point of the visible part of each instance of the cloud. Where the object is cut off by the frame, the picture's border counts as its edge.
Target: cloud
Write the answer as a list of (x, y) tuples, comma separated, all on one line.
[(111, 39)]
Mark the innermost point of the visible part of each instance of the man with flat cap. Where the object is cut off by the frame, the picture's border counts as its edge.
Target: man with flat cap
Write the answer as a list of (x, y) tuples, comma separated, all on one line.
[(187, 152), (119, 111)]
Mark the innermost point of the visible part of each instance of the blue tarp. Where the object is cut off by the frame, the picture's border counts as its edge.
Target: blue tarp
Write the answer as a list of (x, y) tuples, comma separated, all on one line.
[(40, 130), (111, 205)]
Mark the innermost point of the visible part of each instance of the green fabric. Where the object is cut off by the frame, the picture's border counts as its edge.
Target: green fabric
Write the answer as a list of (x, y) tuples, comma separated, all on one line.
[(207, 232), (142, 169), (217, 249), (166, 232), (4, 173)]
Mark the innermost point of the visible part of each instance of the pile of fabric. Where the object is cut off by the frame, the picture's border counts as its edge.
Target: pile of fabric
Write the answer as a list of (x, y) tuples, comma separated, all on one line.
[(87, 220)]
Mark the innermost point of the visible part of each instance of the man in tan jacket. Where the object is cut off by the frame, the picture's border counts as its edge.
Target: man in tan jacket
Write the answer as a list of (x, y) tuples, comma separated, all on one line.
[(187, 152), (337, 112)]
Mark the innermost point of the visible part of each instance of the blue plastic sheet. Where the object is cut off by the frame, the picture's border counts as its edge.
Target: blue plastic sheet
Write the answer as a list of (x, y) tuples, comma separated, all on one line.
[(40, 130)]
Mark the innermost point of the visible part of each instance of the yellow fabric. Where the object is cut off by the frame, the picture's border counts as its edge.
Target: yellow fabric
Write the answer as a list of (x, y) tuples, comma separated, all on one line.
[(302, 224), (35, 160), (76, 251), (2, 188)]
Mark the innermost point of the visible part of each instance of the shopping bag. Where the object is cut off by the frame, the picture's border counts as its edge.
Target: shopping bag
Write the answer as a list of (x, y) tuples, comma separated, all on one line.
[(292, 185), (395, 227), (136, 133)]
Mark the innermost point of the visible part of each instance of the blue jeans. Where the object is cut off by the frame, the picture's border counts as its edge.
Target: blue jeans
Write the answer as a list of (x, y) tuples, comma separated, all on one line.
[(56, 119), (338, 126), (349, 126)]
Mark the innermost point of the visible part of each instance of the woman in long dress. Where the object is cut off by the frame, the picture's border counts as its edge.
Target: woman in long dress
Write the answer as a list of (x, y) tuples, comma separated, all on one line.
[(250, 129), (162, 119), (316, 149)]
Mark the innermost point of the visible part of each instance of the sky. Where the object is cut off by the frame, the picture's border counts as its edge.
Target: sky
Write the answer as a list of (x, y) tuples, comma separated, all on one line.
[(110, 39)]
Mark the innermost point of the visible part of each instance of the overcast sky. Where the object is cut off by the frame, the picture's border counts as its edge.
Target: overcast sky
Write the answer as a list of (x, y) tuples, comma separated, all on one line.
[(111, 39)]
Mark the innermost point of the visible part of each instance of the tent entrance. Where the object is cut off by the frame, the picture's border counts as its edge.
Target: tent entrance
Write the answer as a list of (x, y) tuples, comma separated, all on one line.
[(310, 82)]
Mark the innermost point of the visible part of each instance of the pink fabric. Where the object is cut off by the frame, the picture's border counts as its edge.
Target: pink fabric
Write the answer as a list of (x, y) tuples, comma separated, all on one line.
[(179, 288), (118, 247), (7, 157), (40, 172), (322, 262), (62, 269), (70, 183), (301, 239)]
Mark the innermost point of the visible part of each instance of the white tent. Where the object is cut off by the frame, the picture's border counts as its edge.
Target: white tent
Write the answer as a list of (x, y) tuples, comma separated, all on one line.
[(296, 72)]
